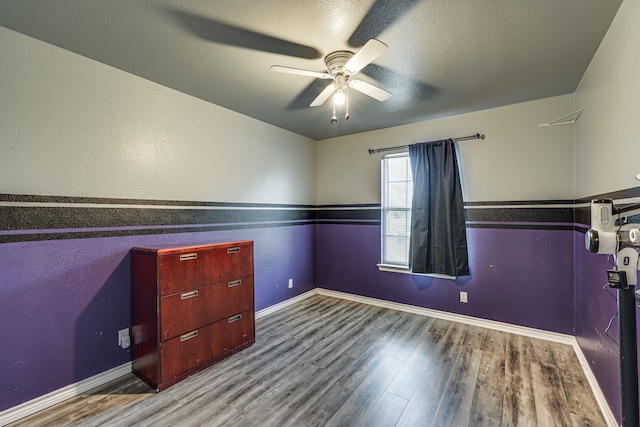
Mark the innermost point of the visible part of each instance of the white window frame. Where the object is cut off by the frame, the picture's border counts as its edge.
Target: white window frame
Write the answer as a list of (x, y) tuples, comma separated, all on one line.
[(386, 207)]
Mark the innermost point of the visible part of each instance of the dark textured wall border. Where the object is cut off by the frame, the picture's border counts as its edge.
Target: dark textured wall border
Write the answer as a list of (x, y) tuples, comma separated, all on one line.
[(354, 214), (67, 217), (547, 215), (522, 214), (86, 234), (34, 217)]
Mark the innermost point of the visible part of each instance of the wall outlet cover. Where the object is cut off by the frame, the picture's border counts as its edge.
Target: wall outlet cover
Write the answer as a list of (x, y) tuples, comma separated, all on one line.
[(123, 338), (463, 297)]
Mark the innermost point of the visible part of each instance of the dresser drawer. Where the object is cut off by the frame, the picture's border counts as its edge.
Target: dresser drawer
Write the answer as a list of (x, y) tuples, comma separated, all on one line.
[(232, 297), (183, 271), (186, 311), (234, 332), (236, 261), (186, 352)]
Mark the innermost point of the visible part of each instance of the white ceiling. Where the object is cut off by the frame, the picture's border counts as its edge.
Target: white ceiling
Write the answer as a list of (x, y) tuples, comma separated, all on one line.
[(445, 56)]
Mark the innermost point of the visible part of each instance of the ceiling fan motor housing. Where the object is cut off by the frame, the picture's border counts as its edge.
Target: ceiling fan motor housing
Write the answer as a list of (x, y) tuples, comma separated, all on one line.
[(336, 61)]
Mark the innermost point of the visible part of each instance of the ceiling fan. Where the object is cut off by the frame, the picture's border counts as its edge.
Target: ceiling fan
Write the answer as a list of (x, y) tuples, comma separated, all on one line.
[(341, 66)]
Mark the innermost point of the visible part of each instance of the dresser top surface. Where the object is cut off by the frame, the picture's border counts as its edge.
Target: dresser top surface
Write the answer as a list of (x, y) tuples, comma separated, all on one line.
[(169, 249)]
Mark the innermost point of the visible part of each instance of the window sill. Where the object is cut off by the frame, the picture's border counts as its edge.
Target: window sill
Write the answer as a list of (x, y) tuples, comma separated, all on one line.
[(393, 268), (405, 270)]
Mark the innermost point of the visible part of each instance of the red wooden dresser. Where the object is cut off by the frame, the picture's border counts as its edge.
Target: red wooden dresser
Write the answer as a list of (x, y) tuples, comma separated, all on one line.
[(190, 307)]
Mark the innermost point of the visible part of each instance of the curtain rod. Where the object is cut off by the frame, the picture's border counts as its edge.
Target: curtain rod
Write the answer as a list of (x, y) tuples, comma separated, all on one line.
[(461, 138)]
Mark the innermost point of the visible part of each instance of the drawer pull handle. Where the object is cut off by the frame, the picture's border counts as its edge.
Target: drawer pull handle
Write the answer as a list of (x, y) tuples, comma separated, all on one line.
[(187, 257), (188, 295), (233, 250), (188, 336), (235, 283), (234, 318)]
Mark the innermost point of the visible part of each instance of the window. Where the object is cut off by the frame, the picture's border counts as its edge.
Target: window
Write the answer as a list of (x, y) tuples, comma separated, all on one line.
[(397, 192)]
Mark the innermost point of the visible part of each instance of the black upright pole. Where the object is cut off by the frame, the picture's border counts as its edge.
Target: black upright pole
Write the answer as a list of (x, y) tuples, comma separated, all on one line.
[(628, 356)]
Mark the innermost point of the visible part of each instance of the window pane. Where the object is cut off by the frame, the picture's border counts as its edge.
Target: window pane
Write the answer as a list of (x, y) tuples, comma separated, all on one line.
[(397, 192), (396, 223), (398, 195), (396, 250), (398, 169)]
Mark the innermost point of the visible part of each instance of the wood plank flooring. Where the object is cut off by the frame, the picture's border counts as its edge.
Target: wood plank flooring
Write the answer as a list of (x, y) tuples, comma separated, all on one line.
[(330, 362)]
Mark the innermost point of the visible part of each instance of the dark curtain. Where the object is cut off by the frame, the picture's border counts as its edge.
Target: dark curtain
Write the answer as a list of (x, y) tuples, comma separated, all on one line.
[(438, 242)]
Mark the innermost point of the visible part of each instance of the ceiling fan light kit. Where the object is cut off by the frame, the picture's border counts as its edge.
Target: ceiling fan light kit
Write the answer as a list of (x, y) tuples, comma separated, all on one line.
[(341, 66), (340, 97)]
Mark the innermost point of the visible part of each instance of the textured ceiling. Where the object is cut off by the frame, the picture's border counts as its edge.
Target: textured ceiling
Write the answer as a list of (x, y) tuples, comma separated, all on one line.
[(445, 56)]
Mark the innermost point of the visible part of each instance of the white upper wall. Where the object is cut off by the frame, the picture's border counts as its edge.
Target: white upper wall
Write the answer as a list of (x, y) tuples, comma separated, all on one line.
[(608, 132), (517, 161), (71, 126)]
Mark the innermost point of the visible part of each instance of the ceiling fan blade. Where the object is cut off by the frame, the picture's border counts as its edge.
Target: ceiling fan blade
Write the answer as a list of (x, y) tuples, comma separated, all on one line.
[(367, 53), (309, 93), (369, 89), (324, 95), (298, 71)]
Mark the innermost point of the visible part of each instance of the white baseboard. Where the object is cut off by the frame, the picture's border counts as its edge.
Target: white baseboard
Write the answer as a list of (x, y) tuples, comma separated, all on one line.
[(498, 326), (43, 402), (284, 304), (595, 387), (460, 318)]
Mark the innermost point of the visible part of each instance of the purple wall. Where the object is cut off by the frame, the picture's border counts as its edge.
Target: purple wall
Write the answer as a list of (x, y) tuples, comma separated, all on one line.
[(594, 308), (63, 301), (522, 277)]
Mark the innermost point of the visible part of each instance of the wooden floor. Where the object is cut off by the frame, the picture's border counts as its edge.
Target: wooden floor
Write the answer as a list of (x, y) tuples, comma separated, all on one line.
[(330, 362)]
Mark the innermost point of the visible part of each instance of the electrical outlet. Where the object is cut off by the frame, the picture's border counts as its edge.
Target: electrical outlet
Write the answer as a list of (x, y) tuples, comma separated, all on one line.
[(123, 338), (290, 283), (463, 297)]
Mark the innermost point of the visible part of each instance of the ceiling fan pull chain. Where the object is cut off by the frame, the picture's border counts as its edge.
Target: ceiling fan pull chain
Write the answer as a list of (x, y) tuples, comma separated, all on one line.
[(334, 118), (346, 92)]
